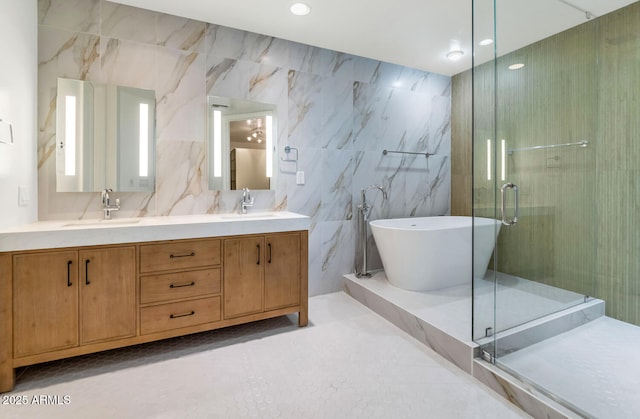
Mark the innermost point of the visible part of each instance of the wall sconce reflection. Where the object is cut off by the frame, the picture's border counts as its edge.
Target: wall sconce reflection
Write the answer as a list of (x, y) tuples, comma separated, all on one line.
[(217, 144), (70, 136), (269, 138)]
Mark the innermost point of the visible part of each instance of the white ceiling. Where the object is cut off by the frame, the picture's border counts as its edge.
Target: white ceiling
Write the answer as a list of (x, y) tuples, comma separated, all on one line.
[(414, 33)]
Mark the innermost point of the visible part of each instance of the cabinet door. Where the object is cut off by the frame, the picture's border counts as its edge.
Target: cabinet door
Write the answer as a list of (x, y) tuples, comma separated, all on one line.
[(243, 269), (45, 302), (282, 271), (107, 294)]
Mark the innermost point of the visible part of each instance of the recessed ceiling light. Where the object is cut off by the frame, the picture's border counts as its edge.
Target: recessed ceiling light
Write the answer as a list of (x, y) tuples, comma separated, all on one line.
[(485, 42), (516, 66), (300, 9), (455, 55)]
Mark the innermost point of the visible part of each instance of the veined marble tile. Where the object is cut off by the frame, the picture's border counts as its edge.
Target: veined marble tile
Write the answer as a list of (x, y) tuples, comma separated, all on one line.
[(368, 106), (127, 63), (268, 84), (181, 105), (337, 65), (240, 45), (424, 82), (395, 121), (181, 182), (364, 69), (306, 199), (455, 350), (128, 23), (389, 75), (337, 167), (227, 77), (337, 113), (72, 15), (525, 396), (428, 188), (315, 260), (338, 252), (305, 112), (181, 33), (67, 54), (46, 147), (305, 58)]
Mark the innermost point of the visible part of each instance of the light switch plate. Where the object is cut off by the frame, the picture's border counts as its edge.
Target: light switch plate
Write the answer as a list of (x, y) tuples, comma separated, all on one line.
[(300, 178)]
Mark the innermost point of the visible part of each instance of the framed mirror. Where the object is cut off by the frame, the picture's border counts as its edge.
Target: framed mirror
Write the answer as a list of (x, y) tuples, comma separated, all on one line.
[(241, 144), (105, 137)]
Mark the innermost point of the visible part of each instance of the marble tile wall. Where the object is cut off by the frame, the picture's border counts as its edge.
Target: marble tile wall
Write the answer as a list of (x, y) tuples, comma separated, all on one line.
[(339, 110)]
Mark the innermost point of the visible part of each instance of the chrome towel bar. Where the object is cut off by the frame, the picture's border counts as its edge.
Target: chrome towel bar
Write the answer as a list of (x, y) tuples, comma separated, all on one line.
[(582, 144), (406, 152)]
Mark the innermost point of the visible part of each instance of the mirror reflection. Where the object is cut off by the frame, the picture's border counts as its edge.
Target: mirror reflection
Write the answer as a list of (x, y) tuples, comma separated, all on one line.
[(105, 137), (241, 144)]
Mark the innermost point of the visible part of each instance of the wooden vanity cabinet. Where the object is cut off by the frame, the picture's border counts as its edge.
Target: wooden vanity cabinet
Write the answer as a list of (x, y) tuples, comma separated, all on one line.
[(282, 271), (180, 285), (261, 273), (107, 294), (45, 302), (70, 298), (59, 303)]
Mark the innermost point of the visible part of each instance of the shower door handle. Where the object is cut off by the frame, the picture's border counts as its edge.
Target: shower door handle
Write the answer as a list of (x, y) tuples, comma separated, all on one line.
[(503, 200)]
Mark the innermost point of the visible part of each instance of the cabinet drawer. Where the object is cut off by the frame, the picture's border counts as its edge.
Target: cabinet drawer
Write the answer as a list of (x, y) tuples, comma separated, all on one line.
[(174, 286), (177, 315), (179, 255)]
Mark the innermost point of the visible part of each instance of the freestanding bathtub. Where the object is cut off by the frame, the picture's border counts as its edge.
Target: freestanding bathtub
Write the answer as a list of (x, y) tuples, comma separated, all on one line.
[(429, 253)]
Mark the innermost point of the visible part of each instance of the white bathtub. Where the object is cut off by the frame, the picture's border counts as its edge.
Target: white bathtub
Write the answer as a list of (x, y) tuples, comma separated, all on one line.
[(430, 253)]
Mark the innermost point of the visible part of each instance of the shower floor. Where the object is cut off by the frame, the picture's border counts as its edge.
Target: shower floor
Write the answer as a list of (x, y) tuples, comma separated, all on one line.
[(449, 309), (577, 353), (592, 367)]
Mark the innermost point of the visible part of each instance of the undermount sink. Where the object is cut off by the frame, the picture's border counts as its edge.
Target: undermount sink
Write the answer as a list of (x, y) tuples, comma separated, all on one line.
[(248, 216), (93, 223)]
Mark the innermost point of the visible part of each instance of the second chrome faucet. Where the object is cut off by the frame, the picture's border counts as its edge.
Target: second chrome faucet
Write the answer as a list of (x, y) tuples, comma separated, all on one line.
[(247, 200), (107, 207)]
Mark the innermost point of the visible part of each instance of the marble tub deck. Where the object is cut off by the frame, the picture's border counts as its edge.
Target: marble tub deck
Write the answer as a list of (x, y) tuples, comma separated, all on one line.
[(442, 321)]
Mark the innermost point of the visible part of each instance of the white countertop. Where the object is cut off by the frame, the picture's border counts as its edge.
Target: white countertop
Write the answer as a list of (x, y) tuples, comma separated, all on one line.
[(71, 233)]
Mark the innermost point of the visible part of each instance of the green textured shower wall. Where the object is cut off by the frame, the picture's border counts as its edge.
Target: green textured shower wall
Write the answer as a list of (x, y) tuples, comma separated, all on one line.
[(579, 225)]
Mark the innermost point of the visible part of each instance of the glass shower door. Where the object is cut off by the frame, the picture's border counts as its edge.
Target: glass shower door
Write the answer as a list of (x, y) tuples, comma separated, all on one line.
[(534, 170)]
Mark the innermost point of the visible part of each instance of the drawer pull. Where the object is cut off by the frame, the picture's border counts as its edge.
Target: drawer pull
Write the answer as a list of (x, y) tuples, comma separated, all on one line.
[(172, 256), (175, 316), (69, 283), (86, 272), (182, 285)]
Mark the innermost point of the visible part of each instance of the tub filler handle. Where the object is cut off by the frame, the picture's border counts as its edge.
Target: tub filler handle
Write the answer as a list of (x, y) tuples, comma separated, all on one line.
[(503, 199)]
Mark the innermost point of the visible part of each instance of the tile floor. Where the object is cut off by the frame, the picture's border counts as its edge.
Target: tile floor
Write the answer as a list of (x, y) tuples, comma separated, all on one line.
[(348, 363), (592, 367)]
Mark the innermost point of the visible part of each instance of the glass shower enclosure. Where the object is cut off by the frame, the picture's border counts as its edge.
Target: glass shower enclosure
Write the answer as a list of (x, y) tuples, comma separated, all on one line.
[(556, 158)]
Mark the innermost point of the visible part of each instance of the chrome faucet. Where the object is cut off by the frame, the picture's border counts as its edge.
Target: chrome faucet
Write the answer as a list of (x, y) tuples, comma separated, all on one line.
[(247, 200), (361, 249), (107, 207)]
